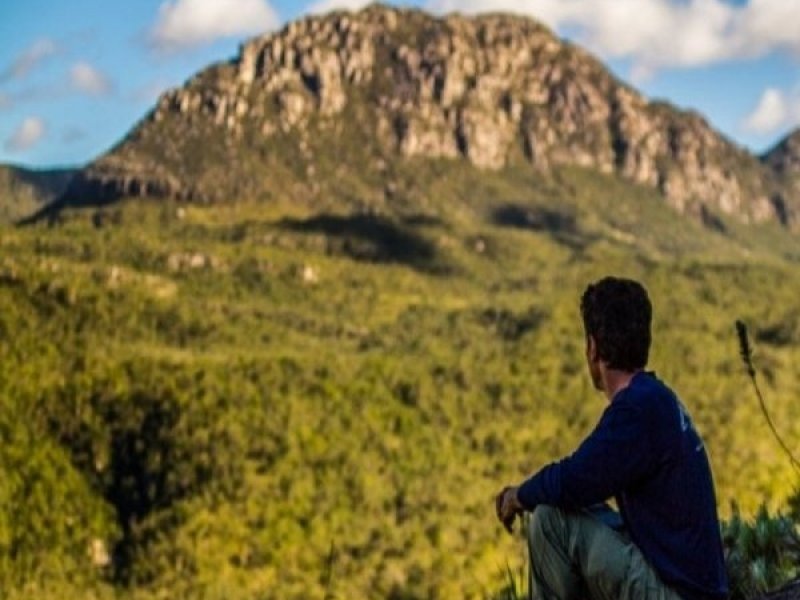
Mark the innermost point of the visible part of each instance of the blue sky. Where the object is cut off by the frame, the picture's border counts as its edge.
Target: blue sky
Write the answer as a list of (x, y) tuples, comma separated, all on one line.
[(76, 76)]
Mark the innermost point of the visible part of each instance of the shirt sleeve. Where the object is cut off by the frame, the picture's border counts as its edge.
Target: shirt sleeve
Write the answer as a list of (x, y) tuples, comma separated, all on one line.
[(614, 456)]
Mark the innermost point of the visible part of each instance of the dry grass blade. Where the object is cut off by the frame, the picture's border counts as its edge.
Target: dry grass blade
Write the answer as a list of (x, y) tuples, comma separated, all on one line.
[(747, 358)]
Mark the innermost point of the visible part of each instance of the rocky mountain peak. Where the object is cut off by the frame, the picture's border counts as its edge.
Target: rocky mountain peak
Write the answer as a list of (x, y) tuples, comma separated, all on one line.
[(784, 158), (491, 90)]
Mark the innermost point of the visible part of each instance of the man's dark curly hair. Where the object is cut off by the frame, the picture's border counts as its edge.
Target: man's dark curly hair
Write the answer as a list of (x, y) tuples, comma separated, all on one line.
[(617, 314)]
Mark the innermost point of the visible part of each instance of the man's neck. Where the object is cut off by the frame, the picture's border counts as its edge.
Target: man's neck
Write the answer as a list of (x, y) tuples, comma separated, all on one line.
[(614, 381)]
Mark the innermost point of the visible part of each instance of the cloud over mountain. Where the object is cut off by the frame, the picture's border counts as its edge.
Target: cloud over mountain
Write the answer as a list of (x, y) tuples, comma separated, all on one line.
[(323, 6), (775, 110), (85, 78), (29, 133), (186, 23), (31, 57), (656, 34)]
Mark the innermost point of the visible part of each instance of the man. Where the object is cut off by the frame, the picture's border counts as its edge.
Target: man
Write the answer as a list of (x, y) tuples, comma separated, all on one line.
[(646, 454)]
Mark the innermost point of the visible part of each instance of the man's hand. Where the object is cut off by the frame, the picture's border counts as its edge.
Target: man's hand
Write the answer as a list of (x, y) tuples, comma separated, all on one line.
[(507, 506)]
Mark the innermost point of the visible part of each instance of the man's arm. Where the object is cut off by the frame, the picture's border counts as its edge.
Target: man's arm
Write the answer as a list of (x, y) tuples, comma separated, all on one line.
[(614, 456)]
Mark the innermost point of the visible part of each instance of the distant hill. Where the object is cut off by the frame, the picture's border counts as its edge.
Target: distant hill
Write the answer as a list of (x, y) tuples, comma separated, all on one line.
[(334, 102), (784, 161), (784, 158), (24, 191)]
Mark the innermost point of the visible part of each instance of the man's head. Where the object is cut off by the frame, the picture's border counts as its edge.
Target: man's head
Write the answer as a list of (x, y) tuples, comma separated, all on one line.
[(616, 318)]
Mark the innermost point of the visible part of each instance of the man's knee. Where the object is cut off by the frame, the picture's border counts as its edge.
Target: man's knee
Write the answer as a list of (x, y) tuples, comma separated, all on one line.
[(544, 519)]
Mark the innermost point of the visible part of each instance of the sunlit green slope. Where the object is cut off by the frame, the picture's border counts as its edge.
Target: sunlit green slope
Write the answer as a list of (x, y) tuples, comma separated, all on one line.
[(297, 399)]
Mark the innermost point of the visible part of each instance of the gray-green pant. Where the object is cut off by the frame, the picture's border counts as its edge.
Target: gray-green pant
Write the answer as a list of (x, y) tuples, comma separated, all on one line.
[(575, 556)]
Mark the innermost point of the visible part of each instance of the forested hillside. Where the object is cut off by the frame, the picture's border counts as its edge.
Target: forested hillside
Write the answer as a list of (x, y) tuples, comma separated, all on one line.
[(272, 400)]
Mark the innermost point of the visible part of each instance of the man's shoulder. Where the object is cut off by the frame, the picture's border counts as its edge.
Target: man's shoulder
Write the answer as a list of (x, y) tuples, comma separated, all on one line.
[(647, 394), (647, 383)]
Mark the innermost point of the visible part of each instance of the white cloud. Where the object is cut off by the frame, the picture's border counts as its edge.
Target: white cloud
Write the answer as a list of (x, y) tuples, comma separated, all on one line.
[(186, 23), (655, 34), (324, 6), (29, 133), (776, 109), (767, 25), (29, 59), (83, 77), (72, 135)]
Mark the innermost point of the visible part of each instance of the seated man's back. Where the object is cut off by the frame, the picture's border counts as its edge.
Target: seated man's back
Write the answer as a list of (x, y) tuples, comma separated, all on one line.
[(646, 453)]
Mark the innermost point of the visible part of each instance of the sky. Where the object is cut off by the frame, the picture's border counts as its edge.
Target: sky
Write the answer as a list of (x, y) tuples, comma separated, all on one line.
[(76, 76)]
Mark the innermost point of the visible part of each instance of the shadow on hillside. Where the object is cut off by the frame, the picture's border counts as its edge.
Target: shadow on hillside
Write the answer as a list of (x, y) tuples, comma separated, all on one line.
[(76, 193), (560, 225), (372, 238), (49, 183)]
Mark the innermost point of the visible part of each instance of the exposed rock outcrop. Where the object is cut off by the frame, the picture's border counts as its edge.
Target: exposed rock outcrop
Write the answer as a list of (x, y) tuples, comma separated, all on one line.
[(784, 158), (784, 162), (491, 90)]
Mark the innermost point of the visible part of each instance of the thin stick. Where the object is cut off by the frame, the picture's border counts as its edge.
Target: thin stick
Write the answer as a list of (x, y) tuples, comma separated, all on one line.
[(747, 358), (329, 572)]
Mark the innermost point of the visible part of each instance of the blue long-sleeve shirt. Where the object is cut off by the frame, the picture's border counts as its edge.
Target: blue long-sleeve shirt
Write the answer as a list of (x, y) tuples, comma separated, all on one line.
[(646, 453)]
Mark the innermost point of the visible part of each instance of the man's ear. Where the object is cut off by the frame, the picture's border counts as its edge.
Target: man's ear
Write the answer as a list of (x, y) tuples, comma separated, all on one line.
[(591, 348)]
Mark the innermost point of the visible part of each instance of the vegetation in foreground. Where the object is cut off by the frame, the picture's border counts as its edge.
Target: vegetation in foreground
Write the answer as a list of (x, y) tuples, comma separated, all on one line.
[(269, 401)]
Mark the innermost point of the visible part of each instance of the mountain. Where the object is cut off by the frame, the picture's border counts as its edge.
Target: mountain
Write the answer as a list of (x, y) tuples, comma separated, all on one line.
[(784, 162), (350, 95), (24, 191), (784, 158), (323, 302)]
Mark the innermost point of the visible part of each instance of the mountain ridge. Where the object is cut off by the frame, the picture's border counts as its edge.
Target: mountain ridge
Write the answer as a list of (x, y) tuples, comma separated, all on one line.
[(784, 157), (492, 90), (24, 190)]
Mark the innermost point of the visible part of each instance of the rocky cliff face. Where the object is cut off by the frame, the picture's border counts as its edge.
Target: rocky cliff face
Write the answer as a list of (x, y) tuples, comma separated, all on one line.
[(784, 158), (490, 90), (784, 162)]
